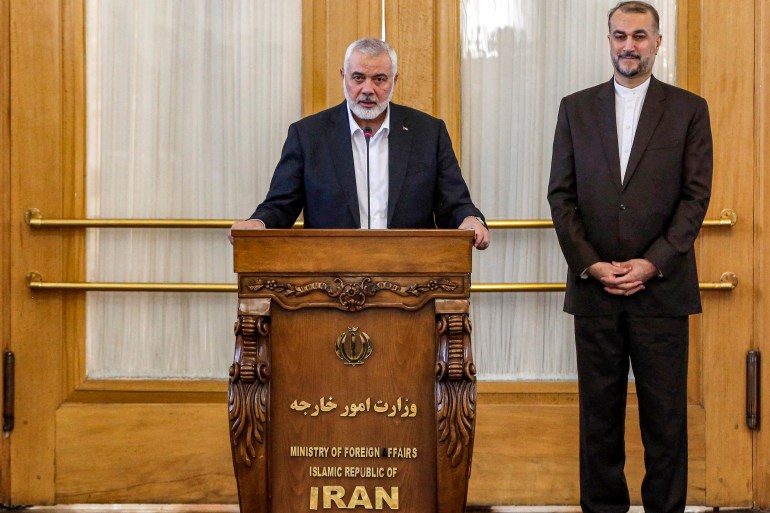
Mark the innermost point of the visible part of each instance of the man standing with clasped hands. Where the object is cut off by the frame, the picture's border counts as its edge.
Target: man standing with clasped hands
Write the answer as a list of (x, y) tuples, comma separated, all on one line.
[(629, 188)]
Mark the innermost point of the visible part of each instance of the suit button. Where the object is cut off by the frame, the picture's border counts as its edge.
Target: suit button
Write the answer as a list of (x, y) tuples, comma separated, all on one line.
[(622, 207)]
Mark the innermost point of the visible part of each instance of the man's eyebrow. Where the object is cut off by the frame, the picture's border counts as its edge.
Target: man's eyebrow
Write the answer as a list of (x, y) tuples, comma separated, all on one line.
[(637, 31)]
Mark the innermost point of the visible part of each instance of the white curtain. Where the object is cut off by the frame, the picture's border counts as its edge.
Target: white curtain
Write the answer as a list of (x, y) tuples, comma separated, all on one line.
[(188, 103), (519, 58)]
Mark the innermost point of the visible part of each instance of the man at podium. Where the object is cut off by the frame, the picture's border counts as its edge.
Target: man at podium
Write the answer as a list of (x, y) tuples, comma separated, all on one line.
[(369, 163)]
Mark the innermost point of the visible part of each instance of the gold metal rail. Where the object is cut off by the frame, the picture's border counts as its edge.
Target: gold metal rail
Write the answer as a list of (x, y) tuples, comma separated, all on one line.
[(727, 282), (34, 218)]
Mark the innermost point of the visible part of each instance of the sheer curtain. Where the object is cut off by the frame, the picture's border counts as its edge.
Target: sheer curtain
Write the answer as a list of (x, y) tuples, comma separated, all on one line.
[(519, 58), (187, 108)]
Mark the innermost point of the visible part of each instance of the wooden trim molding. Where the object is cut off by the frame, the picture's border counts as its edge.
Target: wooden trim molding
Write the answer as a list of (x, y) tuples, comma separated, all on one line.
[(761, 244), (5, 220)]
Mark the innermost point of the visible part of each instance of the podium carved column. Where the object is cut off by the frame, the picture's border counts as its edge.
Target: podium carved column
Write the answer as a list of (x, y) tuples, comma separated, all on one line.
[(455, 403), (248, 403)]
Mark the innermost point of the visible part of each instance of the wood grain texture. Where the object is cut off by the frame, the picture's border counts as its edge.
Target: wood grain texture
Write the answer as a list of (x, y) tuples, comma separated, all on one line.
[(400, 368), (391, 389), (727, 83), (141, 453), (409, 26), (37, 180), (761, 248), (328, 27), (73, 194), (528, 454), (5, 223), (352, 251), (447, 95)]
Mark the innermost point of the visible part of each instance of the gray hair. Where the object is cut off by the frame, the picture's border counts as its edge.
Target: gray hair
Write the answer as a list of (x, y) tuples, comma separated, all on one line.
[(371, 47), (636, 7)]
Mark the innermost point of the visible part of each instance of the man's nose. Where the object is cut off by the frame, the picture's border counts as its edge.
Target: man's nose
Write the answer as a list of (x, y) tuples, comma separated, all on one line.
[(628, 44), (368, 87)]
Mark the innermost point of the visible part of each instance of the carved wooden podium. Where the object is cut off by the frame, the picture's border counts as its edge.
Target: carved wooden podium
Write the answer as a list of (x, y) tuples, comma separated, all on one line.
[(353, 384)]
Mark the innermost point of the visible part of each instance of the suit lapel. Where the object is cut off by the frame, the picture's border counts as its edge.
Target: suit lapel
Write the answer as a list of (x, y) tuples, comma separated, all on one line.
[(652, 111), (609, 131), (341, 150), (399, 145)]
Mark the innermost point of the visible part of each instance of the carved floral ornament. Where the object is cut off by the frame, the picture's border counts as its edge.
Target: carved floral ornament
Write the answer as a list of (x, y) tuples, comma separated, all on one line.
[(352, 295)]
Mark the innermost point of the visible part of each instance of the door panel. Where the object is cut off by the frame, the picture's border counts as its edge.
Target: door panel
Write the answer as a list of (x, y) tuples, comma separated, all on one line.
[(528, 453), (155, 453), (727, 82)]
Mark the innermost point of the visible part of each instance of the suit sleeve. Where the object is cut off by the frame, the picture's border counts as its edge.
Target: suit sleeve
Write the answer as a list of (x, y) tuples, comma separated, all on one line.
[(286, 196), (562, 197), (697, 168), (452, 201)]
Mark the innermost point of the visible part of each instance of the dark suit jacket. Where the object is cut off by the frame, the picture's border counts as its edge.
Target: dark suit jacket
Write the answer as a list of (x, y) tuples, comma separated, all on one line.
[(316, 174), (655, 213)]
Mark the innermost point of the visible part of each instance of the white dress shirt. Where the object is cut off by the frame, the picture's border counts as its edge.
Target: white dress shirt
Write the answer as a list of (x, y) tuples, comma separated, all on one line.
[(378, 172), (628, 108)]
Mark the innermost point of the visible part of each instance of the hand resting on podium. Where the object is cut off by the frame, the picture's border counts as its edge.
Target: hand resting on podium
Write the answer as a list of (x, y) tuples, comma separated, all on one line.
[(480, 239), (248, 224)]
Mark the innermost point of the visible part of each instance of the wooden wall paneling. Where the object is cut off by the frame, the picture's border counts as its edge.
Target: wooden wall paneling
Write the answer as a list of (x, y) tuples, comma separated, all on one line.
[(446, 91), (409, 26), (426, 35), (687, 57), (36, 181), (127, 453), (682, 32), (5, 222), (74, 186), (688, 45), (328, 27), (528, 453), (313, 51), (727, 68), (761, 249)]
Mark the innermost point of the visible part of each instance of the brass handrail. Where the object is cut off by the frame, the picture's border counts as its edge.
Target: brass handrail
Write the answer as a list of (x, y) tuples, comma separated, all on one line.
[(728, 281), (34, 218)]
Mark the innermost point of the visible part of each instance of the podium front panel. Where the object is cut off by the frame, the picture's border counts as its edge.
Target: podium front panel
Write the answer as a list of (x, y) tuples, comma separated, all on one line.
[(353, 395)]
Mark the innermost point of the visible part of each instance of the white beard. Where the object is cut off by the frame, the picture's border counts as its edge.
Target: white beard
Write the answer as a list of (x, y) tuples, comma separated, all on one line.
[(362, 112)]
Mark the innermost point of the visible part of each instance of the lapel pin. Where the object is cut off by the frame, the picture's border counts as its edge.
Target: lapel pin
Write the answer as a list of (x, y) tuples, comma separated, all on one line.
[(405, 128)]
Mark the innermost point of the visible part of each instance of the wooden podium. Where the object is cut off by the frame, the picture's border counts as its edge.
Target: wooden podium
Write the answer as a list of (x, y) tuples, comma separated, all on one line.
[(353, 384)]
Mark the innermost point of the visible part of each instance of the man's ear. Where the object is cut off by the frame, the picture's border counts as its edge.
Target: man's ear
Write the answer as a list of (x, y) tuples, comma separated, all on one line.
[(342, 73)]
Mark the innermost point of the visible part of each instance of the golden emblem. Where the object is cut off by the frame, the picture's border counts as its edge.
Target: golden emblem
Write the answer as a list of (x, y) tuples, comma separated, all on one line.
[(353, 346)]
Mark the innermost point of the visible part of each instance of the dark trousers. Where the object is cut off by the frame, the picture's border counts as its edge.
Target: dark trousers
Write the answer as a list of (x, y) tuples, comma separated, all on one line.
[(657, 348)]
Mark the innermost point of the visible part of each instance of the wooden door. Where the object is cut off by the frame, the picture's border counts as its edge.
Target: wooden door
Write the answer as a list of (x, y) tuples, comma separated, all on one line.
[(78, 440)]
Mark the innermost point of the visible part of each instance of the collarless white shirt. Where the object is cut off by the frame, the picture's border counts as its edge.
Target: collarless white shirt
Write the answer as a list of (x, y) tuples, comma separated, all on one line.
[(628, 108), (377, 188)]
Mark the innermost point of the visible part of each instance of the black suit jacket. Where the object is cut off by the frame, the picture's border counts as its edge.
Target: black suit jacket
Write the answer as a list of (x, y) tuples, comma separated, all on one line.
[(316, 174), (655, 213)]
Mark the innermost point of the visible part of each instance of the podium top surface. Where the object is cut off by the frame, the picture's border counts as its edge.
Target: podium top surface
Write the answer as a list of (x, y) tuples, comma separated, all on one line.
[(352, 251)]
